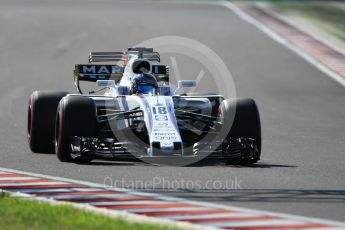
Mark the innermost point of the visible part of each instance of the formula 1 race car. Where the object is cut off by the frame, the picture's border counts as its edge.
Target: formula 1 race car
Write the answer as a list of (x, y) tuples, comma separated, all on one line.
[(140, 116)]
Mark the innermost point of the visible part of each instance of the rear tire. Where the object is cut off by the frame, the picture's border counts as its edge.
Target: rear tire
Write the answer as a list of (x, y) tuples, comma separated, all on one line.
[(41, 120), (241, 119), (76, 116)]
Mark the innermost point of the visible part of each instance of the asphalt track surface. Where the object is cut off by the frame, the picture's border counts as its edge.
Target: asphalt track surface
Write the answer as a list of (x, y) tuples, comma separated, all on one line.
[(302, 110)]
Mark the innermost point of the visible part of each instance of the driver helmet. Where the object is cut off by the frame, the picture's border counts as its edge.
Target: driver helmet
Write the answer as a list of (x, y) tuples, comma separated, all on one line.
[(144, 83)]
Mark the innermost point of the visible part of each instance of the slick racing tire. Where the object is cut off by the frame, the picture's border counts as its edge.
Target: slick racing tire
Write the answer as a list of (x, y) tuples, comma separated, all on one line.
[(241, 119), (41, 120), (76, 116)]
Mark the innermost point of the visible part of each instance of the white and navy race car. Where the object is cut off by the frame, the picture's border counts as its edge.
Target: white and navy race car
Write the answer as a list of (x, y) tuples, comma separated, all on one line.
[(139, 115)]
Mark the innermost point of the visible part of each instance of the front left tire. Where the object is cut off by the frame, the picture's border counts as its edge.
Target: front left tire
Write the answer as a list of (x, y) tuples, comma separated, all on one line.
[(41, 120)]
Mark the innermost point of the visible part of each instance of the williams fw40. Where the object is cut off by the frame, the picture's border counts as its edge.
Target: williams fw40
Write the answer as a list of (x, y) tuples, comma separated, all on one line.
[(135, 114)]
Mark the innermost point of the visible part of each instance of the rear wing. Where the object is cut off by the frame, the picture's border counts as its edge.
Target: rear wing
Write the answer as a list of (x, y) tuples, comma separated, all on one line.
[(142, 52), (92, 73)]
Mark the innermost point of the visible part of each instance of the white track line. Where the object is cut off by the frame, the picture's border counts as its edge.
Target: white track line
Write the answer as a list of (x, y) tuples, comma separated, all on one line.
[(17, 178), (30, 184), (55, 190), (88, 196), (325, 229), (284, 42), (199, 203), (132, 202), (258, 223), (210, 216), (36, 190), (268, 213), (177, 209)]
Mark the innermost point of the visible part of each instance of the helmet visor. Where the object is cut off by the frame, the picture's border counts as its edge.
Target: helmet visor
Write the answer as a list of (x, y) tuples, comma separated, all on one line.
[(145, 88)]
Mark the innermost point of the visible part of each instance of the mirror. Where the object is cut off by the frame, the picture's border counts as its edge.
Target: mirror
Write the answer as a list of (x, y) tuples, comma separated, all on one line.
[(186, 83)]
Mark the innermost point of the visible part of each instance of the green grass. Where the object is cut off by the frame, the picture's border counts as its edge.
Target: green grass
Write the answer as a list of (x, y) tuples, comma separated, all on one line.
[(19, 213), (326, 15)]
